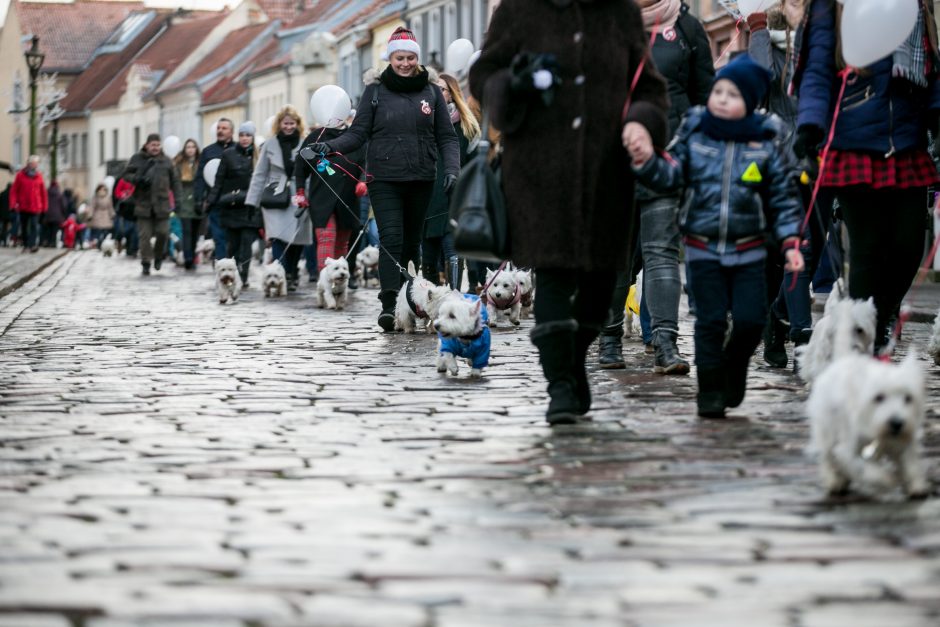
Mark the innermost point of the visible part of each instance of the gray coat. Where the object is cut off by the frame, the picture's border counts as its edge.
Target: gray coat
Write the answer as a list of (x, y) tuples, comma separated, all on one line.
[(278, 223), (153, 179)]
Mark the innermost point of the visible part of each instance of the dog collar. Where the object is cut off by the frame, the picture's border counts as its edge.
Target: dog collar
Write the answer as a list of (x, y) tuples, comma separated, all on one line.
[(415, 309), (504, 303)]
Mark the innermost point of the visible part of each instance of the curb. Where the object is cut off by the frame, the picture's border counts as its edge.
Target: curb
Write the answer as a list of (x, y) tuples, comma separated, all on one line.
[(20, 282)]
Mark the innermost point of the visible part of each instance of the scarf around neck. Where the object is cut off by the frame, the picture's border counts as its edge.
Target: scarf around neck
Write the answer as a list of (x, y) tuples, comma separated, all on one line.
[(661, 12), (747, 129), (287, 144), (405, 84), (909, 61)]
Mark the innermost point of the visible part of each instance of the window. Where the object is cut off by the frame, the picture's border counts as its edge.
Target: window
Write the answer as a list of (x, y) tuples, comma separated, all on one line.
[(63, 155), (136, 138), (101, 157), (84, 157), (73, 149), (114, 144), (18, 151)]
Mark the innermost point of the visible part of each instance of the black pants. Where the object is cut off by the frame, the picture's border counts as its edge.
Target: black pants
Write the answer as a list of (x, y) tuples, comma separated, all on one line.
[(564, 294), (239, 241), (399, 209), (192, 227), (886, 244)]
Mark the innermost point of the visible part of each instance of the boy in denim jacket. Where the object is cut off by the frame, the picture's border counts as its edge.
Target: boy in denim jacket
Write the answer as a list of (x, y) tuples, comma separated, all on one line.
[(741, 190)]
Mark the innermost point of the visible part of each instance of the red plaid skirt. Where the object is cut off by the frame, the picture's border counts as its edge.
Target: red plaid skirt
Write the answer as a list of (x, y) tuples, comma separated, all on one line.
[(912, 168)]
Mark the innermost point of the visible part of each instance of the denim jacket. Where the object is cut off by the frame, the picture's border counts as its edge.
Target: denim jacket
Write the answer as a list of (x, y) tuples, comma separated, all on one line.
[(736, 193)]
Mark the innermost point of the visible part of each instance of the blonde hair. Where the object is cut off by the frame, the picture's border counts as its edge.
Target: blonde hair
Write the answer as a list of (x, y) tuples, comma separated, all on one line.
[(468, 121), (291, 112)]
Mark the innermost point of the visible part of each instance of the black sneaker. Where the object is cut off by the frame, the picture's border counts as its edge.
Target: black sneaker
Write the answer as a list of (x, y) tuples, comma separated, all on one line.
[(387, 321), (292, 285), (775, 337), (157, 263), (145, 269)]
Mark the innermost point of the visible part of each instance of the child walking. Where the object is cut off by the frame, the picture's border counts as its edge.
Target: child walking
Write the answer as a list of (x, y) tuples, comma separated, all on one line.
[(742, 192)]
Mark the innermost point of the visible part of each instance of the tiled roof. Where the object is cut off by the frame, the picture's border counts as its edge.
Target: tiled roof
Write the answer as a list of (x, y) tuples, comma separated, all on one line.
[(327, 15), (283, 10), (373, 10), (70, 33), (165, 53), (104, 67), (235, 42), (272, 55)]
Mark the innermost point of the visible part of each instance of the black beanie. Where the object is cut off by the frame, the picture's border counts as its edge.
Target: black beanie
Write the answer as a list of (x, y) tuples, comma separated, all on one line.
[(751, 79)]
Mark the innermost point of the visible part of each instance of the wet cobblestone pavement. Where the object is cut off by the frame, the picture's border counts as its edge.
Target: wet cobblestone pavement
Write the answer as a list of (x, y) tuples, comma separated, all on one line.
[(167, 461)]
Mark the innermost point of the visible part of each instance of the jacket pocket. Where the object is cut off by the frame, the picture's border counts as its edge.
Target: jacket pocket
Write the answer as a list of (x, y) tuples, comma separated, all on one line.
[(857, 99)]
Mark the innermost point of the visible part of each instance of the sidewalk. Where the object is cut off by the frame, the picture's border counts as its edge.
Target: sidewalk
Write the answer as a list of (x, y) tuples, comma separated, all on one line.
[(17, 267)]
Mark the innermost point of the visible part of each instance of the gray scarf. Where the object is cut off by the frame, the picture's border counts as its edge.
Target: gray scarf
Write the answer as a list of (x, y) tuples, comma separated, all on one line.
[(910, 59)]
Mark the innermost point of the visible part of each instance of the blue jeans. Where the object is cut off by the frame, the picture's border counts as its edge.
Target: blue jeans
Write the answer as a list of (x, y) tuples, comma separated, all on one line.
[(289, 256), (29, 225), (659, 243), (719, 289), (127, 229), (310, 259), (217, 233)]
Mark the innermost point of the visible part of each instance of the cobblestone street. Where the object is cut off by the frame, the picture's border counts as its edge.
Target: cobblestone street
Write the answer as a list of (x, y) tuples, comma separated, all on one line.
[(167, 461)]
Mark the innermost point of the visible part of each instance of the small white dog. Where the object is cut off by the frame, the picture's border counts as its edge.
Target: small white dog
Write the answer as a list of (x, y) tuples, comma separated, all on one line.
[(631, 321), (847, 326), (462, 332), (333, 283), (108, 246), (274, 279), (933, 346), (503, 294), (526, 283), (227, 280), (205, 250), (866, 420), (417, 304), (367, 267)]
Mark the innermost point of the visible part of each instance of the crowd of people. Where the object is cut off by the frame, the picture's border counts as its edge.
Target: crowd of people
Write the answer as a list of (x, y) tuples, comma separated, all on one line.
[(633, 153)]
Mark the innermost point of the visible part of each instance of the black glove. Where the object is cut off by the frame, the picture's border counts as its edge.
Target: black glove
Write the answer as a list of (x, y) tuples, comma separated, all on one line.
[(314, 151), (535, 74), (449, 181), (806, 144)]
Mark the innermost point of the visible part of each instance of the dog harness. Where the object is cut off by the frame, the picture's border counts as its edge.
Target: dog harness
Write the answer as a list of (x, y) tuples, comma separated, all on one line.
[(474, 347), (503, 303), (415, 309)]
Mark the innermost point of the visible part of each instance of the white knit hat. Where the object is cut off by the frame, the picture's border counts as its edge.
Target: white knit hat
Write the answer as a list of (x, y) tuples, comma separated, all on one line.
[(402, 40)]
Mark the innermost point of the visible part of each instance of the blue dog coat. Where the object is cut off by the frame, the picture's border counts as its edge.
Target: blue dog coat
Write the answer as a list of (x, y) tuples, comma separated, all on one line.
[(476, 348)]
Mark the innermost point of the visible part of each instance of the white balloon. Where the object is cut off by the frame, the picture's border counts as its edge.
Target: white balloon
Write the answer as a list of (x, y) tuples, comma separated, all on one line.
[(109, 181), (259, 139), (873, 29), (457, 55), (209, 172), (746, 7), (269, 123), (330, 106), (171, 145), (473, 59)]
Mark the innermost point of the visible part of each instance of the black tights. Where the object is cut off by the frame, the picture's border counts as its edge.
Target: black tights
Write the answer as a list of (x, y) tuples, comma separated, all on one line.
[(564, 294), (886, 244)]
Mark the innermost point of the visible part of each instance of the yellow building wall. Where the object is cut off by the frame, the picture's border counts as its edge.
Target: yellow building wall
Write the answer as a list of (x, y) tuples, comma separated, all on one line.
[(13, 66)]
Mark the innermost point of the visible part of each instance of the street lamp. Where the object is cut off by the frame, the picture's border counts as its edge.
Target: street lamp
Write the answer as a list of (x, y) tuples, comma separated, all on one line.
[(34, 60)]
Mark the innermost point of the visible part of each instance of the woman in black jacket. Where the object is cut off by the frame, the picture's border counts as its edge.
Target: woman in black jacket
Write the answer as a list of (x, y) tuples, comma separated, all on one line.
[(405, 120), (240, 221), (331, 198)]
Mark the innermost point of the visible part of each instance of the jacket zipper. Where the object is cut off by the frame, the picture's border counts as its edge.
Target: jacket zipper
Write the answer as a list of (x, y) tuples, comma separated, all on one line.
[(725, 198), (890, 127)]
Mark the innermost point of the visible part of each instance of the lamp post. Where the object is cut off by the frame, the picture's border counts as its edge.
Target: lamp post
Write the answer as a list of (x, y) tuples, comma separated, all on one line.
[(34, 60)]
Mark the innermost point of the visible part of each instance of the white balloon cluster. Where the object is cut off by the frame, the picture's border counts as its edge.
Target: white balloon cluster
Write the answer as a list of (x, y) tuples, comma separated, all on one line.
[(171, 145), (873, 29), (460, 56), (330, 105)]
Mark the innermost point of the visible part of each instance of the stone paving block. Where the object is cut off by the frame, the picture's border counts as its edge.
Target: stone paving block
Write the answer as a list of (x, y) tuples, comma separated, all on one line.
[(34, 620)]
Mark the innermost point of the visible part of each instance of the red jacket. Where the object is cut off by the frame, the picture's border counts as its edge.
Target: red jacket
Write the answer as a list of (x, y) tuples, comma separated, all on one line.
[(70, 229), (28, 194)]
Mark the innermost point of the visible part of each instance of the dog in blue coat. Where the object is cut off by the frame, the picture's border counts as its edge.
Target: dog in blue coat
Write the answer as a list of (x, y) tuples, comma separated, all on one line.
[(462, 331)]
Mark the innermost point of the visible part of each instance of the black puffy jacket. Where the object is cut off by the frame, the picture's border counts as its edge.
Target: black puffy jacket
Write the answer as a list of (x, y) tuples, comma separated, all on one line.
[(323, 201), (683, 56), (231, 187)]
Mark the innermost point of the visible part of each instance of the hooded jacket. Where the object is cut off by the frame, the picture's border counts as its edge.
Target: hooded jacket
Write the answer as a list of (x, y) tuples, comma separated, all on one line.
[(232, 181), (737, 193), (153, 179), (28, 194)]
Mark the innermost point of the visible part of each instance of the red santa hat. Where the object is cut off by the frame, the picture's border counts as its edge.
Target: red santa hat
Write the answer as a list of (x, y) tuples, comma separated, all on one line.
[(402, 40)]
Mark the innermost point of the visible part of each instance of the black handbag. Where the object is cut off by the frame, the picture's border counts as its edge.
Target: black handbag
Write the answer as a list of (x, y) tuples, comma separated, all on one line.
[(478, 208), (236, 197), (272, 199)]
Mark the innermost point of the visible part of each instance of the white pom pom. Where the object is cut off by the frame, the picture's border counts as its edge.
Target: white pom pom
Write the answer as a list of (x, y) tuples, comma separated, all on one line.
[(542, 79)]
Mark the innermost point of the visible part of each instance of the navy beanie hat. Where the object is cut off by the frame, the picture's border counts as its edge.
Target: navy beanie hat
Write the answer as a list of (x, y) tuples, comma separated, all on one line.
[(751, 79)]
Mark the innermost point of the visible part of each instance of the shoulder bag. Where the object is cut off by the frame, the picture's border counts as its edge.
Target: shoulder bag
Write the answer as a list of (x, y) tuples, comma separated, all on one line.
[(478, 208)]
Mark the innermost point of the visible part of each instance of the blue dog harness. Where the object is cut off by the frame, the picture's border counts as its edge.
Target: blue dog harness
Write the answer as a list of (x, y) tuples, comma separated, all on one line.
[(474, 347)]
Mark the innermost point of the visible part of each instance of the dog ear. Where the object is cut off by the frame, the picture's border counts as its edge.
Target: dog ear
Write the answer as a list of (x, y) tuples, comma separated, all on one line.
[(489, 273)]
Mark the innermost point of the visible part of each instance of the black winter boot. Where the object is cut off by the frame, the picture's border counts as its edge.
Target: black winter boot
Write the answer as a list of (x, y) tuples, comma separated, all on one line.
[(387, 317), (775, 337), (584, 337), (556, 344), (610, 352), (145, 268), (711, 397), (667, 359)]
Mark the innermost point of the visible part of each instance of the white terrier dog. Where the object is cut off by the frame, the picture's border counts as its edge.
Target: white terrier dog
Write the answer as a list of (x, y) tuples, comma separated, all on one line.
[(847, 326), (933, 346), (462, 332), (107, 246), (503, 294), (367, 267), (333, 283), (205, 251), (866, 419), (631, 321), (227, 280), (274, 280), (526, 283), (417, 304)]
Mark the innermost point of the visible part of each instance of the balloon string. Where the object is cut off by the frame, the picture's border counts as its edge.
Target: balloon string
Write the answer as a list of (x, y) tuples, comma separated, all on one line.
[(823, 163), (737, 35)]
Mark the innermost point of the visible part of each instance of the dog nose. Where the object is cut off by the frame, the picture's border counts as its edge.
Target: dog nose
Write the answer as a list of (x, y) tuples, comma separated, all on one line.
[(896, 425)]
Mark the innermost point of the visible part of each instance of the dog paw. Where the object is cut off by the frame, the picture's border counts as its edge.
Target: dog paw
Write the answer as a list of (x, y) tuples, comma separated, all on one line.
[(919, 489), (476, 373), (514, 322), (491, 324)]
